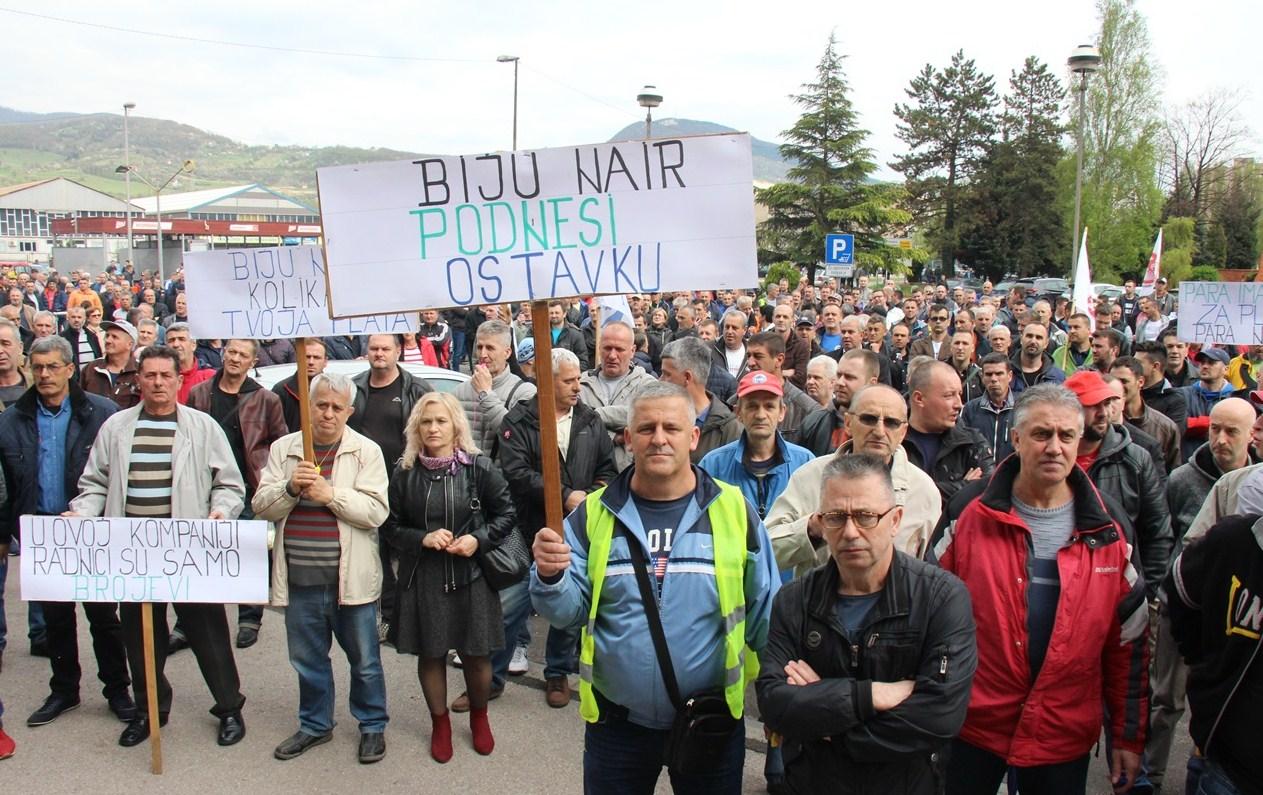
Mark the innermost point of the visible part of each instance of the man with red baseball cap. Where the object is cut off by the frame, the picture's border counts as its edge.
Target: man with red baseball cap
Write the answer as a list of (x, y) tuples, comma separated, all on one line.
[(1123, 471)]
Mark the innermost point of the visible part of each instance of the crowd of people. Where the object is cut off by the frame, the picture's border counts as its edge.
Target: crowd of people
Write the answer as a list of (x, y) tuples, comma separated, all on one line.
[(952, 537)]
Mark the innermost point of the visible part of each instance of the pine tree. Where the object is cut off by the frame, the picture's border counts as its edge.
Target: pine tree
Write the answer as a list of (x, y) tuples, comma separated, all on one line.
[(1238, 215), (948, 126), (1011, 220), (829, 189)]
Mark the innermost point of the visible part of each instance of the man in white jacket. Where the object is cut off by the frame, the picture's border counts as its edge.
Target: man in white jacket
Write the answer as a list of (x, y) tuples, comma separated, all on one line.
[(160, 459), (326, 570), (877, 422)]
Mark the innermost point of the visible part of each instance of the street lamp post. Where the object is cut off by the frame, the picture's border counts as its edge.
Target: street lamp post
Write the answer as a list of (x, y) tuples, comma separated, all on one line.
[(127, 179), (185, 168), (1084, 61), (649, 98), (512, 59)]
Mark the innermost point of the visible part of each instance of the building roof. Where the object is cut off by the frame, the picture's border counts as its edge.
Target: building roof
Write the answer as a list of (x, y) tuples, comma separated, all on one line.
[(59, 195), (251, 199)]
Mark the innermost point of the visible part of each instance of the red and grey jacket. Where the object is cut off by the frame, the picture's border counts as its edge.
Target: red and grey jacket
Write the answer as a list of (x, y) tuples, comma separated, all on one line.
[(1097, 653)]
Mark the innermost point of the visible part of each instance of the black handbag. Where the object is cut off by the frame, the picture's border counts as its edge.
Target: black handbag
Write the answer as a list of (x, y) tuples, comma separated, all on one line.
[(703, 725), (506, 564)]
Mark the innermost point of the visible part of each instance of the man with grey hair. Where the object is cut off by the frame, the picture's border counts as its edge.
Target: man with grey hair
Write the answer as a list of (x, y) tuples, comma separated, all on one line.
[(587, 464), (731, 345), (13, 381), (820, 375), (687, 364), (876, 423), (44, 325), (157, 460), (838, 698), (45, 436), (648, 521), (1000, 339), (609, 387), (85, 344), (1061, 609), (114, 375), (329, 586), (492, 388)]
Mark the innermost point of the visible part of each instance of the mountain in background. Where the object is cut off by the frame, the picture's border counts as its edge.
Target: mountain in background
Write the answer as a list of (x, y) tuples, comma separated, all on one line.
[(89, 147)]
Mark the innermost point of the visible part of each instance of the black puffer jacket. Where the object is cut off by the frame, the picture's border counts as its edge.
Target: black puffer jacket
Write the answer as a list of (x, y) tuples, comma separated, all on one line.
[(490, 524), (1124, 471), (921, 628), (960, 450), (19, 451), (587, 464)]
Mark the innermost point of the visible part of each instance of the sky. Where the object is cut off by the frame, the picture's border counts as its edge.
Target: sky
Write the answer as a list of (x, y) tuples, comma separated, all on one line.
[(434, 84)]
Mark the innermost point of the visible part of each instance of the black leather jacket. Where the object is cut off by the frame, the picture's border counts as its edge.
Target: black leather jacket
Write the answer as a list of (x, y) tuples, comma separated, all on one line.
[(490, 519), (921, 628)]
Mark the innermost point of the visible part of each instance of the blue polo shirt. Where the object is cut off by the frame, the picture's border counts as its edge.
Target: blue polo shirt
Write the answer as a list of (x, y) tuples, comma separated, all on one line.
[(53, 427)]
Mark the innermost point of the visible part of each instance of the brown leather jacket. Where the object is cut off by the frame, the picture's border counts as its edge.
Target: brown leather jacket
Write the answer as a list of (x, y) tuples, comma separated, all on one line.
[(262, 421), (124, 390)]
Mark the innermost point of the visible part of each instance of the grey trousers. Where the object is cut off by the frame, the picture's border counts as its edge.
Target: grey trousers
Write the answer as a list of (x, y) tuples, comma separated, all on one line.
[(1168, 680)]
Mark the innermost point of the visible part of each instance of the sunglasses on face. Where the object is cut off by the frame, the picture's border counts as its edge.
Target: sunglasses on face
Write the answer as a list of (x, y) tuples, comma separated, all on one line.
[(865, 520), (871, 420)]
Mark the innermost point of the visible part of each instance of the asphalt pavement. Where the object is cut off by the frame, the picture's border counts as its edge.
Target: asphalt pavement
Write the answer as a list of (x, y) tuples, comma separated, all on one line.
[(538, 749)]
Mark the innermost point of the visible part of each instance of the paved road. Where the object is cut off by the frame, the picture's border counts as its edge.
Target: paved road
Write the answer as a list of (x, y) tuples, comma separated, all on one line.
[(538, 749)]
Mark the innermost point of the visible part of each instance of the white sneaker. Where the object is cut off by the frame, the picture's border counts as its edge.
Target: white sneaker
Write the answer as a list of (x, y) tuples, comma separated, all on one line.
[(519, 664), (456, 663)]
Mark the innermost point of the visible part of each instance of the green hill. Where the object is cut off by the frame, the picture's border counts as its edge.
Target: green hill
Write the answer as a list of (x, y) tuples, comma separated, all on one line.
[(88, 147)]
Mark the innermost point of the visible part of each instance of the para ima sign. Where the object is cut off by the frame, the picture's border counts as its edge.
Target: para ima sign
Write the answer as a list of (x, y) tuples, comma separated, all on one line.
[(85, 559), (270, 293), (1221, 313), (625, 217)]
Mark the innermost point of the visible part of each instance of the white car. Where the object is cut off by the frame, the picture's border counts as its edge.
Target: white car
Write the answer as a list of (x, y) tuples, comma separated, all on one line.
[(440, 378)]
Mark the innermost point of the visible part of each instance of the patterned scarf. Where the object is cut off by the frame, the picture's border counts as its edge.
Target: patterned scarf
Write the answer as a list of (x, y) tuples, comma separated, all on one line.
[(449, 462)]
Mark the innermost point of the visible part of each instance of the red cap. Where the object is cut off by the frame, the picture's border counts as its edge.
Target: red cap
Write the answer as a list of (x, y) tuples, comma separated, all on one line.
[(1090, 387), (759, 381)]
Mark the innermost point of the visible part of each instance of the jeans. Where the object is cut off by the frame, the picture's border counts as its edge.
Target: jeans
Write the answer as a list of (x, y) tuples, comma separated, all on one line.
[(973, 771), (622, 758), (1214, 781), (311, 620), (107, 644), (458, 349), (561, 650)]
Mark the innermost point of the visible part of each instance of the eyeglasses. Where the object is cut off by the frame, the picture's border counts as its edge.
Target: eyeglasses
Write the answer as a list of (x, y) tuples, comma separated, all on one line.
[(865, 520), (938, 319), (871, 420)]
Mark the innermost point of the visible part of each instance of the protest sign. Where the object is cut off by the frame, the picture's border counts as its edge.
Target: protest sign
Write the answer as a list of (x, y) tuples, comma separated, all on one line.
[(1221, 313), (623, 217), (271, 293), (85, 559)]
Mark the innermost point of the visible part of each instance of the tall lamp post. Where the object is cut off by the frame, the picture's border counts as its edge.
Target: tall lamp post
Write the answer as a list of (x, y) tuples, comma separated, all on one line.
[(127, 179), (185, 168), (513, 59), (649, 98), (1084, 61)]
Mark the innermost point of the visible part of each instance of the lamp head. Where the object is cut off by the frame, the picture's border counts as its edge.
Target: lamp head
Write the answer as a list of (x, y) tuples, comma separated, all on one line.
[(506, 58), (129, 106), (188, 166), (649, 97), (1085, 60), (122, 169)]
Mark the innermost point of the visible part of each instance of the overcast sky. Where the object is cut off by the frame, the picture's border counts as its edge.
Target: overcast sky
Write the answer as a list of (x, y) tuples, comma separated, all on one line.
[(582, 63)]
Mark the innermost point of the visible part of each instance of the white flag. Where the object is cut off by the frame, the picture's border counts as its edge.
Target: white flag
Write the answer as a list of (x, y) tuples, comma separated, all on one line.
[(1155, 262), (1081, 296), (614, 309)]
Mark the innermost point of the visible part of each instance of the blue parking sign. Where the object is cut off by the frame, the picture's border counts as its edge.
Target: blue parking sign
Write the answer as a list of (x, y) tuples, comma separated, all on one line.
[(839, 249)]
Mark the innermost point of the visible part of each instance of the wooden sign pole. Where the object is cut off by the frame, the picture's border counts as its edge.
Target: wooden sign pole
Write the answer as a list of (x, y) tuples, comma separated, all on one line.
[(596, 337), (151, 689), (304, 404), (550, 461)]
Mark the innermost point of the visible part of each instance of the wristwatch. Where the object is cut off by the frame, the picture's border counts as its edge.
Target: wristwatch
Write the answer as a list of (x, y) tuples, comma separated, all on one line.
[(482, 394)]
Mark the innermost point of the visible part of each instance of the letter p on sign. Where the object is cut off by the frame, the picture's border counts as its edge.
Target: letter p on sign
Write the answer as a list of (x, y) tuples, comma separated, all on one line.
[(839, 249)]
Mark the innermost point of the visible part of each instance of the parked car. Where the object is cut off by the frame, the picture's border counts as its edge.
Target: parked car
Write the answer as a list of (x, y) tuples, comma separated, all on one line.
[(1109, 292), (440, 378)]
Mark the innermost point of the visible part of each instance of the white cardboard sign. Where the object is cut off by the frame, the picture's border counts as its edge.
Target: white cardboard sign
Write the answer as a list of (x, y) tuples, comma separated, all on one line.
[(622, 217), (82, 559), (1221, 313), (271, 293)]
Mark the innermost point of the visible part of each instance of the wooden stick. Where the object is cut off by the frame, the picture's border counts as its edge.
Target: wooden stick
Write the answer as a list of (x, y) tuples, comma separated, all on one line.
[(550, 457), (304, 404), (151, 690), (596, 336)]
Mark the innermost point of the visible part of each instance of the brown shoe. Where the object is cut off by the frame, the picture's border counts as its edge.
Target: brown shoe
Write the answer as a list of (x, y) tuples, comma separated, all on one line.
[(461, 704), (557, 692)]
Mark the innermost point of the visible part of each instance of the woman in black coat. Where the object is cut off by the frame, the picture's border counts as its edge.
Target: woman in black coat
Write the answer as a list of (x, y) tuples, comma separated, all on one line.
[(447, 503)]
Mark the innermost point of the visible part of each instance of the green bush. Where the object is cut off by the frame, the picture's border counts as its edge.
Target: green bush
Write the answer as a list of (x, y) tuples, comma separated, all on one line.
[(1203, 273)]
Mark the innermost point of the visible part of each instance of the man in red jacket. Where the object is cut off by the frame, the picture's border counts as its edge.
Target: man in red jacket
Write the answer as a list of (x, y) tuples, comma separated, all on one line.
[(1061, 615)]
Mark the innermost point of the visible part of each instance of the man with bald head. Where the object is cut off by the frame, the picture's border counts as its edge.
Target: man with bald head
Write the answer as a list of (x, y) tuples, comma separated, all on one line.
[(877, 423), (1227, 449), (948, 452), (823, 431)]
